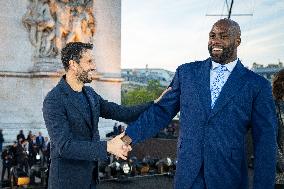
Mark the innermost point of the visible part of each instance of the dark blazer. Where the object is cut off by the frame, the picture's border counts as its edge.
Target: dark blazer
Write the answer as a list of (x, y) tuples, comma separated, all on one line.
[(75, 140), (216, 138), (40, 141)]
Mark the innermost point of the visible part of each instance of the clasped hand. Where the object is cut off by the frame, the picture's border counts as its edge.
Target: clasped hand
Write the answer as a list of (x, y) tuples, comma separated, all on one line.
[(118, 148), (120, 145)]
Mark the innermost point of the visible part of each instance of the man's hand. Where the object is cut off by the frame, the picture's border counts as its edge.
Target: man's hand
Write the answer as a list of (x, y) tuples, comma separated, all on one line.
[(126, 139), (163, 93), (117, 147)]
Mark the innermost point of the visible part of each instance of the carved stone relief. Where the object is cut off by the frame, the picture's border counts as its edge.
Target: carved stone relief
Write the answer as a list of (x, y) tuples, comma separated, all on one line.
[(53, 23)]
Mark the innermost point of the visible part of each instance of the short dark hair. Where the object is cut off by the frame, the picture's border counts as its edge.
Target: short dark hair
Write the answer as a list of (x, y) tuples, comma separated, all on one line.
[(278, 85), (73, 51)]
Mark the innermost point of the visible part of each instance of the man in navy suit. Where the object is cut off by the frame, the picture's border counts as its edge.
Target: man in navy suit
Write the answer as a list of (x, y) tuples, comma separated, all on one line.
[(71, 112), (40, 140), (218, 100)]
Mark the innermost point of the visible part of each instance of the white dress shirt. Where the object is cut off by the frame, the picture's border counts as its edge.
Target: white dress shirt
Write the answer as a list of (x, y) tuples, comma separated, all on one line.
[(213, 74)]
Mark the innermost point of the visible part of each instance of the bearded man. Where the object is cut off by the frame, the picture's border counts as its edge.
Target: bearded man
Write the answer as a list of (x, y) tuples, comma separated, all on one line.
[(218, 99), (71, 112)]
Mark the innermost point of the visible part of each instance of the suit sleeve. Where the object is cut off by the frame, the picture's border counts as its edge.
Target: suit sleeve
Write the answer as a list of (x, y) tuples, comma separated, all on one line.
[(158, 116), (58, 129), (111, 110), (264, 129)]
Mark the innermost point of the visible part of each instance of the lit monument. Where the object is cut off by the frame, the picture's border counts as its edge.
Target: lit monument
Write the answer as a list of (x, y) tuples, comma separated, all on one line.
[(32, 36)]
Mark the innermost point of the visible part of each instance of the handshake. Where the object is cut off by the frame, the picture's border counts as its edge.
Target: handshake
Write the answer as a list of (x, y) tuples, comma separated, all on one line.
[(119, 146)]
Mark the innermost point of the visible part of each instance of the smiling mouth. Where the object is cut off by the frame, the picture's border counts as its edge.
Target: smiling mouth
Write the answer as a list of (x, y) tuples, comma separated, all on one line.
[(217, 50)]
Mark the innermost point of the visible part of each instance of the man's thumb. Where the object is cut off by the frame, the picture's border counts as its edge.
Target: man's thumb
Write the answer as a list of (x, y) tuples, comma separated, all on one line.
[(121, 134)]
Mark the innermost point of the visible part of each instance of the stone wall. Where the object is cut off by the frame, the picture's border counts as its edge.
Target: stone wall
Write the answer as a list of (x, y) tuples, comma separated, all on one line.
[(21, 102), (24, 83), (15, 48)]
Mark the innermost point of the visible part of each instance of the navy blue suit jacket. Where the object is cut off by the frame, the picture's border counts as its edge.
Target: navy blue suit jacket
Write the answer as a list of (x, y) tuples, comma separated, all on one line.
[(75, 140), (40, 141), (216, 137)]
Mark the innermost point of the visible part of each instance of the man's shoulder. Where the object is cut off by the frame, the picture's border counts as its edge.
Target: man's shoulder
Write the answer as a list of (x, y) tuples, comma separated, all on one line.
[(193, 66), (55, 93), (256, 79)]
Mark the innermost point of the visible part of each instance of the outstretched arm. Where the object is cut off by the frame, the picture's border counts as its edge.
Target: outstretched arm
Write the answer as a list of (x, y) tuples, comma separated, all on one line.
[(110, 110), (157, 116)]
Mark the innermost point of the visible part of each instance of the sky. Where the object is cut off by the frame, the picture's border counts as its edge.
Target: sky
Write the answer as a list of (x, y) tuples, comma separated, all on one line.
[(167, 33)]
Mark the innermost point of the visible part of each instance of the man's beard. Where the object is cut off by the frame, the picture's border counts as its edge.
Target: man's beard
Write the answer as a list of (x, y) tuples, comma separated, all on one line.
[(83, 77), (224, 56)]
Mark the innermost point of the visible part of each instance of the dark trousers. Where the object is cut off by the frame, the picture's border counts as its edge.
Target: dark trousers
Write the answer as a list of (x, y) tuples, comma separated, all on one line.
[(31, 160), (199, 182), (24, 165), (4, 168)]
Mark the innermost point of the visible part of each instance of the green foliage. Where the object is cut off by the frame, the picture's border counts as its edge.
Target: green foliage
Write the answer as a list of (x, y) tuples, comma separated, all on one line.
[(140, 95)]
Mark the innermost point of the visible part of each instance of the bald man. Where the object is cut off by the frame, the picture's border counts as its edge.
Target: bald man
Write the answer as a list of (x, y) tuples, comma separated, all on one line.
[(218, 99)]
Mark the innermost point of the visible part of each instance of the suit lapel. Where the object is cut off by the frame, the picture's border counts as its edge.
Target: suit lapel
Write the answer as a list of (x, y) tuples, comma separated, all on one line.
[(75, 101), (93, 103), (230, 89), (204, 85)]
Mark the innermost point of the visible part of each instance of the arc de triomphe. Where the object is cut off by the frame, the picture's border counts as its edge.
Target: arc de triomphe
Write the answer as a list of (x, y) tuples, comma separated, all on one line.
[(32, 33)]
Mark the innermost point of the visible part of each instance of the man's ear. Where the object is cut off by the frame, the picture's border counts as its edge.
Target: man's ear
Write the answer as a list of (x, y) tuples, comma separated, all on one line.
[(238, 41), (72, 65)]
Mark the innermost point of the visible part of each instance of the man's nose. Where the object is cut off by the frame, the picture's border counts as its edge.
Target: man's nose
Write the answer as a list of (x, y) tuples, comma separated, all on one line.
[(216, 41)]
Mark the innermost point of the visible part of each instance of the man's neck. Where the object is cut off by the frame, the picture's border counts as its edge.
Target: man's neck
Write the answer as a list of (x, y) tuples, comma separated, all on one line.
[(74, 83), (227, 61)]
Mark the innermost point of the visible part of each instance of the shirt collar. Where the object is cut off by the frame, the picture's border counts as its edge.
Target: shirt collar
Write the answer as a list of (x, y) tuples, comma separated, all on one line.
[(230, 66)]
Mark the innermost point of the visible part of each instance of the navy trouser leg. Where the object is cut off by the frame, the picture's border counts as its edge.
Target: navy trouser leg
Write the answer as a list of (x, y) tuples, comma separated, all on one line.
[(199, 182)]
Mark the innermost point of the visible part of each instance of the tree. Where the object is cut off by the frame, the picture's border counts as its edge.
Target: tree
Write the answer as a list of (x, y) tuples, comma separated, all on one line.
[(141, 95)]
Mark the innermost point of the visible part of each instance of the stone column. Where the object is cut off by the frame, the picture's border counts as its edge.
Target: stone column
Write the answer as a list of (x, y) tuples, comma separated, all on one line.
[(108, 54)]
